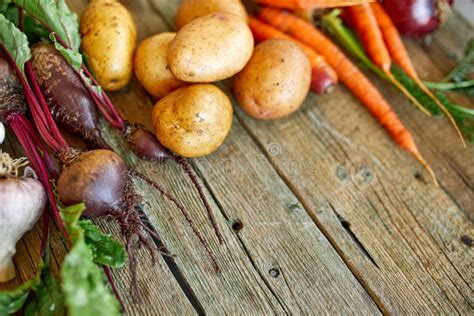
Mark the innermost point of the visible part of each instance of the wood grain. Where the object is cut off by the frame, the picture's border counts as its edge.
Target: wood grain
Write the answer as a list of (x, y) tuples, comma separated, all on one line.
[(321, 212)]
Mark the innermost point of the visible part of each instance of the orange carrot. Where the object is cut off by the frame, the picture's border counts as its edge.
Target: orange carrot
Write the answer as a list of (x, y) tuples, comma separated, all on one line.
[(400, 55), (369, 32), (323, 76), (310, 4), (349, 74), (365, 23)]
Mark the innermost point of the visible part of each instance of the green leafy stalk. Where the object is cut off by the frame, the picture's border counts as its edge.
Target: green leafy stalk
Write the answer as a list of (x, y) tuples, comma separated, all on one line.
[(463, 116), (464, 67), (12, 301), (33, 30), (105, 250), (15, 42), (48, 299), (83, 282), (55, 16), (334, 25), (447, 86)]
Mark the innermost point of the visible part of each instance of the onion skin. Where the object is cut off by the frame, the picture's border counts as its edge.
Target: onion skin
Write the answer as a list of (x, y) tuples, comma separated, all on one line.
[(98, 179), (22, 201), (71, 104), (416, 18)]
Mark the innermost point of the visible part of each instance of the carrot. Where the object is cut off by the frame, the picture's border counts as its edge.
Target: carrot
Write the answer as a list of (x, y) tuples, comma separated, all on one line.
[(323, 76), (400, 55), (365, 23), (349, 74), (310, 4)]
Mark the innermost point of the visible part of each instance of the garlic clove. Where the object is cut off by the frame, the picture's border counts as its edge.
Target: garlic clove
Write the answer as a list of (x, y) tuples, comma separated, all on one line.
[(22, 201), (2, 133), (7, 271)]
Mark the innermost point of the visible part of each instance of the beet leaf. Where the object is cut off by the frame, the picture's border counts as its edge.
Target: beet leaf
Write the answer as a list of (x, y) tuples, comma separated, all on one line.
[(55, 16), (83, 282)]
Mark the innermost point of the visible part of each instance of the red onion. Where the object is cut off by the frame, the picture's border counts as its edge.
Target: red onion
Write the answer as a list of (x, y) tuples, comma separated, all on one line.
[(417, 18)]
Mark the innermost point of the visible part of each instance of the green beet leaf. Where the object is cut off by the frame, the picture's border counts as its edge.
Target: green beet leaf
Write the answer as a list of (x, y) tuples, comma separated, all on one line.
[(56, 16), (15, 42), (84, 285), (105, 250)]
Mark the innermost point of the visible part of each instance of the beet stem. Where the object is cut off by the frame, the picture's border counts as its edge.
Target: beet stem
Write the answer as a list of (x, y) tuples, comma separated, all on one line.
[(20, 125), (52, 137), (45, 234), (113, 286), (186, 166), (49, 120), (185, 214), (105, 103)]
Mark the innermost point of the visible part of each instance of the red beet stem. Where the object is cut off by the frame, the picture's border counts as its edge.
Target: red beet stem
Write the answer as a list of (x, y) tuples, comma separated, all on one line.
[(185, 214), (44, 111), (103, 102), (186, 166), (20, 125), (49, 132), (114, 288)]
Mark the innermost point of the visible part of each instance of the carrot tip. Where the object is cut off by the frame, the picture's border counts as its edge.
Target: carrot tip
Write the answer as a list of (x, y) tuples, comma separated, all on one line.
[(425, 164)]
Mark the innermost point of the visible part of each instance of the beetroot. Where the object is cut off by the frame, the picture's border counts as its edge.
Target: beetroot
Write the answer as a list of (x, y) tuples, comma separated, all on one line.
[(12, 98), (70, 103), (97, 178), (74, 109)]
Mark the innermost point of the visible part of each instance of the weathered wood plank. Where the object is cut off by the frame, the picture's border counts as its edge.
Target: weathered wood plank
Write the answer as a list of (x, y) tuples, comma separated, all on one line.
[(245, 285), (369, 219)]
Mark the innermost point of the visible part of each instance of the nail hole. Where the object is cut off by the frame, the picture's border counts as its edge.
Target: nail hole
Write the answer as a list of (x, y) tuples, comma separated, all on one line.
[(294, 207), (366, 174), (342, 173), (274, 273), (419, 176), (237, 225), (466, 240)]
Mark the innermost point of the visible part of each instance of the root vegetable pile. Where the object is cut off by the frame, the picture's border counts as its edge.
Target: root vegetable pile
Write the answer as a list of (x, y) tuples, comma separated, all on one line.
[(192, 116)]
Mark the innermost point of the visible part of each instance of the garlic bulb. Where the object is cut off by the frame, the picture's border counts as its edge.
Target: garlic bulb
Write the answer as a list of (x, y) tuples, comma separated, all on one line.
[(22, 201)]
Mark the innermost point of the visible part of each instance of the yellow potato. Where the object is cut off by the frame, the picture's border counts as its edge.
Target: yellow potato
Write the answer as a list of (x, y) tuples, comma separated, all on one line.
[(151, 66), (191, 9), (211, 48), (109, 38), (193, 121), (275, 82)]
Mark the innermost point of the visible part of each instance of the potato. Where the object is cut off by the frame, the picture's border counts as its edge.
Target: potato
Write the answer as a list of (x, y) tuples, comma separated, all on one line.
[(275, 82), (151, 66), (109, 39), (191, 9), (211, 48), (193, 121)]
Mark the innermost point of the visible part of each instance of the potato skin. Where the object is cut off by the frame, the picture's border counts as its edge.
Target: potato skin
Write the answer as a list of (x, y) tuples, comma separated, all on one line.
[(151, 66), (211, 48), (275, 82), (109, 38), (191, 9), (193, 121)]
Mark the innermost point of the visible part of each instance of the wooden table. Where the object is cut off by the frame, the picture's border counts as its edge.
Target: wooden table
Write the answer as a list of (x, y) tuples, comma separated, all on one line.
[(321, 212)]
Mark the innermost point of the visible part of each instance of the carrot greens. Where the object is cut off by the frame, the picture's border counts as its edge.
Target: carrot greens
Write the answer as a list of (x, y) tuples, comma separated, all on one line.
[(462, 115)]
